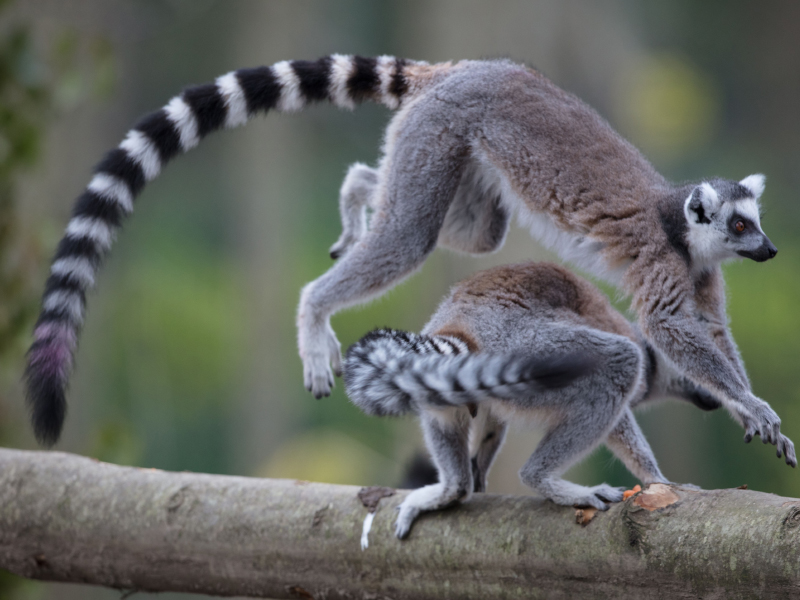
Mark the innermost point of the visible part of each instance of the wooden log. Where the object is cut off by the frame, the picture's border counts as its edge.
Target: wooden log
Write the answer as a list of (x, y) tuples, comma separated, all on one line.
[(74, 519)]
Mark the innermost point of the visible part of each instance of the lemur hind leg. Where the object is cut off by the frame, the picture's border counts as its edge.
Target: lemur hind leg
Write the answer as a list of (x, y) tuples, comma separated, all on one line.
[(488, 436), (476, 222), (447, 438), (582, 414), (421, 174), (357, 189)]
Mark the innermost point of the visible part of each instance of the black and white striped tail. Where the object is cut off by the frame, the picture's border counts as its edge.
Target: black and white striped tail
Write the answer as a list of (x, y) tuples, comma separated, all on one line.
[(389, 372), (177, 127)]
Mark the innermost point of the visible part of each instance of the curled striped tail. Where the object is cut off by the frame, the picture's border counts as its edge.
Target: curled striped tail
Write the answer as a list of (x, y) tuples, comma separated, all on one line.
[(389, 372), (231, 100)]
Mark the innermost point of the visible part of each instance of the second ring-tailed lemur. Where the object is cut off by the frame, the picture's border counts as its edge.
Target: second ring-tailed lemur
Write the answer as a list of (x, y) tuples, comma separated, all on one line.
[(485, 352), (471, 143)]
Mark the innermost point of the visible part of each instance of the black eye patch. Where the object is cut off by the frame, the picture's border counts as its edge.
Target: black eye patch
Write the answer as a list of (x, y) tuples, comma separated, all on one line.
[(744, 225)]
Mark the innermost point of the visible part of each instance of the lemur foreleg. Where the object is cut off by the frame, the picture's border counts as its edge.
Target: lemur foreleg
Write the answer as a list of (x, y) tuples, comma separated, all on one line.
[(698, 357), (628, 443), (709, 295)]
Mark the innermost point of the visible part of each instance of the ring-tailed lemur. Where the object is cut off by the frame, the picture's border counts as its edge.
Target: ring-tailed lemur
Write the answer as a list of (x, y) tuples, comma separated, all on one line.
[(488, 351), (471, 143)]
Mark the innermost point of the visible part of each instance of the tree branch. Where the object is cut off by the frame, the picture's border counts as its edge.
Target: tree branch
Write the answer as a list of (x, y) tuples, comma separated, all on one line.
[(69, 518)]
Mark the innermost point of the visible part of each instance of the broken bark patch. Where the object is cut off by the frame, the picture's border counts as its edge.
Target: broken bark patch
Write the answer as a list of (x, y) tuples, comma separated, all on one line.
[(371, 496), (657, 495)]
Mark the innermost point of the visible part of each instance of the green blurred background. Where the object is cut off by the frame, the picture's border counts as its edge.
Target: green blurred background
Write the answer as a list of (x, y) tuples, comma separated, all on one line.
[(188, 359)]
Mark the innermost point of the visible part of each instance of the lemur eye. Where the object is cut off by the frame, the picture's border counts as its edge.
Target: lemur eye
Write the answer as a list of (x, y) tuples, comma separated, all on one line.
[(739, 226)]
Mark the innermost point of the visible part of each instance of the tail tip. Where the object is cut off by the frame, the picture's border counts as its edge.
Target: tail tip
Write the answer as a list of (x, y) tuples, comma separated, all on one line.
[(48, 408)]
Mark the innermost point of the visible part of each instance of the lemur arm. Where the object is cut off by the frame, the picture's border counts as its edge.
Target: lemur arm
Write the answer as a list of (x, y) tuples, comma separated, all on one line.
[(628, 444), (709, 297), (667, 312)]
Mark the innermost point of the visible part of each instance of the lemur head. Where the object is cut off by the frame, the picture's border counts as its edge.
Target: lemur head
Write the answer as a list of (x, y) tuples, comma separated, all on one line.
[(723, 222)]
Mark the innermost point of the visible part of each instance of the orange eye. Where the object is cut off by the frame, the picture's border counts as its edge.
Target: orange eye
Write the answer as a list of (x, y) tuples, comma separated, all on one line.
[(739, 226)]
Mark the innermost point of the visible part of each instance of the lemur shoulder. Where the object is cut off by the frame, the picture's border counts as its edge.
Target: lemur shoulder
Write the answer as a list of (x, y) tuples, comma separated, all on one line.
[(529, 343), (471, 143)]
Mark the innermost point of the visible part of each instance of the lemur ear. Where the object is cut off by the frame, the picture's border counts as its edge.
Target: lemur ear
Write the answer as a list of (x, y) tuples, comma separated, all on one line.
[(754, 183), (701, 204)]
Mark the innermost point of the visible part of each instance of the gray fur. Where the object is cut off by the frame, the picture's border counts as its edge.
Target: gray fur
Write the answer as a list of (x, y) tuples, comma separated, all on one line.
[(354, 200), (481, 139), (474, 357)]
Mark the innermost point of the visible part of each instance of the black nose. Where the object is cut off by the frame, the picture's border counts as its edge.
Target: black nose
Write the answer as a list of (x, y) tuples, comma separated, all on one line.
[(771, 249)]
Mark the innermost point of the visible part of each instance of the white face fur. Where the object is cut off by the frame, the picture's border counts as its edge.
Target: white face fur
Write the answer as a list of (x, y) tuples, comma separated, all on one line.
[(722, 228)]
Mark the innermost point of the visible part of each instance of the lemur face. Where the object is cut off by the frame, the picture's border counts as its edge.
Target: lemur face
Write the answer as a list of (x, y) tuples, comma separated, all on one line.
[(724, 222)]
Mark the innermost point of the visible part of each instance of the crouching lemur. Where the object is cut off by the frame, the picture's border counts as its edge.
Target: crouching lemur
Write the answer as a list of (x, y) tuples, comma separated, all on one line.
[(530, 343)]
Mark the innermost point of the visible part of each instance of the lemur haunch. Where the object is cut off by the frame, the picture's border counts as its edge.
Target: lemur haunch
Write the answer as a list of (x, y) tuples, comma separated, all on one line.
[(485, 352), (470, 144)]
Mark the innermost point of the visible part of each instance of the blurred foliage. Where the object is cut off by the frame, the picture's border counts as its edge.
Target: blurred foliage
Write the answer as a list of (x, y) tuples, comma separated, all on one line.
[(328, 456), (171, 354), (668, 107), (24, 103), (177, 324)]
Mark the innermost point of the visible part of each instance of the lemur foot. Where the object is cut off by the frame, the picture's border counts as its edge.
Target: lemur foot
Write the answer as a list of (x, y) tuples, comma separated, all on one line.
[(322, 358), (571, 494), (606, 493), (430, 497), (405, 518), (342, 245)]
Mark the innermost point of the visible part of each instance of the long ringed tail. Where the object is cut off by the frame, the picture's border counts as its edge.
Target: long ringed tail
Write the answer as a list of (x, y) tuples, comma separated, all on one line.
[(389, 372), (231, 100)]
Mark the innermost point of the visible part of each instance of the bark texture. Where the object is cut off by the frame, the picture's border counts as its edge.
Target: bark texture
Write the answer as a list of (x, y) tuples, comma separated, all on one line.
[(69, 518)]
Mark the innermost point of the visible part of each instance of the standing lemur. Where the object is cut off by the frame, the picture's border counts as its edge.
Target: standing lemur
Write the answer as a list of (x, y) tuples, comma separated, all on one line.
[(497, 350), (471, 143)]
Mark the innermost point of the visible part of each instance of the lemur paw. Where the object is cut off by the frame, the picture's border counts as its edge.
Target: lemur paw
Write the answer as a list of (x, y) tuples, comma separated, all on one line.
[(599, 496), (607, 493), (759, 419), (786, 447), (320, 363), (405, 518), (342, 245), (581, 496), (317, 376)]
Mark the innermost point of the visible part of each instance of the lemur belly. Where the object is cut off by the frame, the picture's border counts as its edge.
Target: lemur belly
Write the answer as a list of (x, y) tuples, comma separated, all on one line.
[(577, 248)]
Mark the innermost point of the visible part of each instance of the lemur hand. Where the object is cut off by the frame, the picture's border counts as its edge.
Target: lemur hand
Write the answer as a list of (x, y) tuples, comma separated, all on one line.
[(787, 447), (759, 419)]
